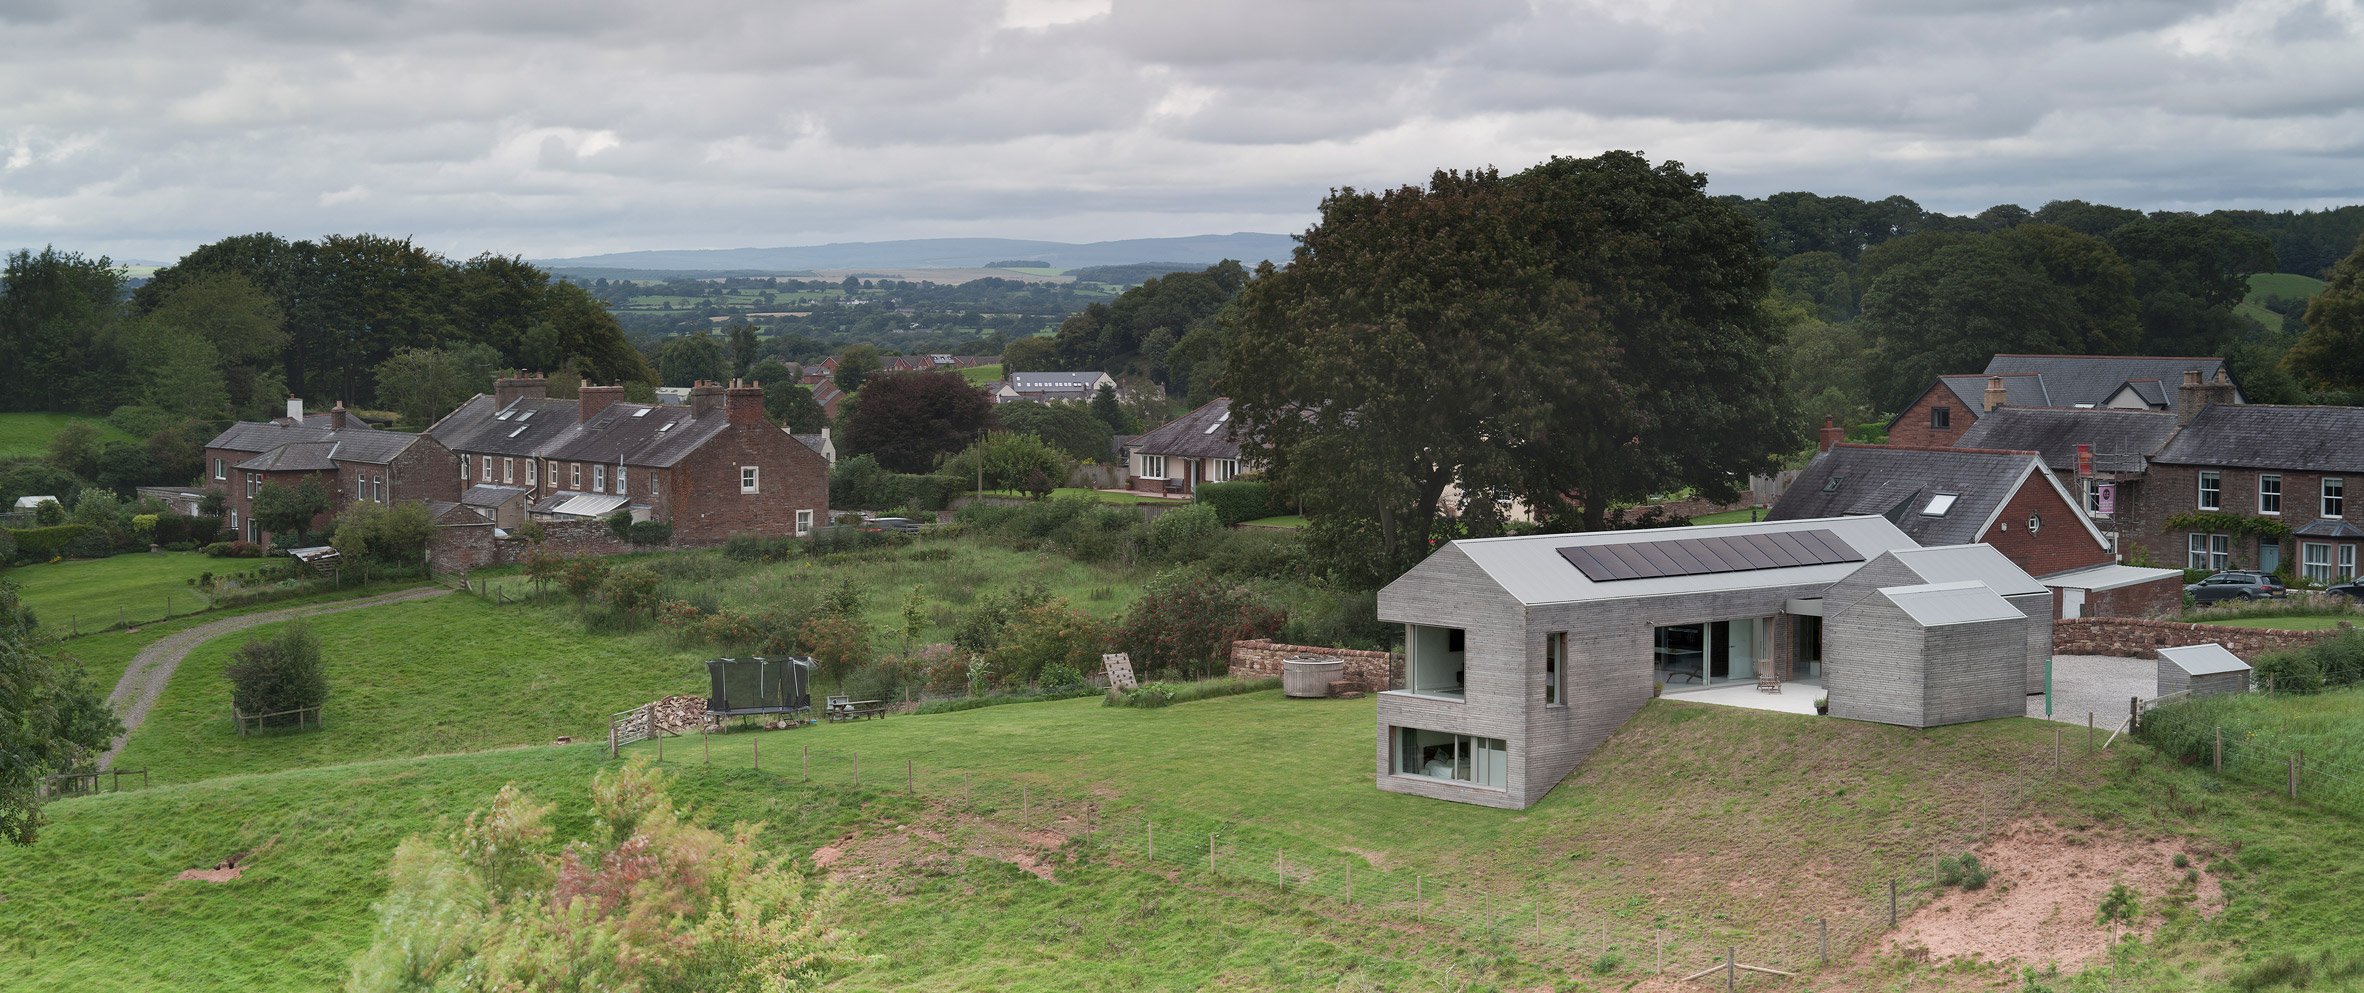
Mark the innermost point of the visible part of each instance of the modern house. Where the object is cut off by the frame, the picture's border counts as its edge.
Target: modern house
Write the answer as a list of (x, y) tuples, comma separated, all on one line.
[(1046, 387), (1522, 654), (1950, 406), (1198, 447), (2007, 499), (711, 468), (353, 461)]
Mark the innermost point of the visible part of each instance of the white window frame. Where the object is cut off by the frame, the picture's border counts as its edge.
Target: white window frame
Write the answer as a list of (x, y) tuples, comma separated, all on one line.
[(2220, 551), (2347, 562), (804, 523), (531, 471), (623, 488), (750, 479), (1153, 467), (220, 467), (508, 469), (2314, 562), (2211, 495), (2269, 500), (2207, 551), (2335, 497), (599, 479), (487, 476), (574, 475), (1555, 662), (1470, 765), (1223, 470), (464, 461), (380, 483)]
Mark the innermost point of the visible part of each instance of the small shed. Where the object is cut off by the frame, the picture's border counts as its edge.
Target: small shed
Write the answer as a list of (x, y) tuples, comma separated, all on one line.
[(2202, 670), (1921, 656), (33, 502), (758, 685)]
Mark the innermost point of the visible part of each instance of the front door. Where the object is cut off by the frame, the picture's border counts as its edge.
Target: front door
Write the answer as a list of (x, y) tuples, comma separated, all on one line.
[(2269, 555)]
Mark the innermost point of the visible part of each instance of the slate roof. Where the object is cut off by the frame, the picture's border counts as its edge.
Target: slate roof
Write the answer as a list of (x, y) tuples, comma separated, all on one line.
[(490, 495), (2069, 380), (636, 434), (2150, 390), (1901, 483), (302, 456), (2055, 433), (353, 444), (2327, 528), (812, 441), (2019, 390), (478, 428), (2267, 436), (1205, 433)]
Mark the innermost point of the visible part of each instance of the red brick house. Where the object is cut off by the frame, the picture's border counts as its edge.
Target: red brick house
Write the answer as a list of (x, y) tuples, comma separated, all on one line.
[(353, 460), (1949, 407), (711, 468), (2005, 499), (2257, 486)]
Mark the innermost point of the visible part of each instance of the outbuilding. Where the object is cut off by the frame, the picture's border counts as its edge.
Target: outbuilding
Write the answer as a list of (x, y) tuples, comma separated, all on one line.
[(1921, 656), (2202, 670)]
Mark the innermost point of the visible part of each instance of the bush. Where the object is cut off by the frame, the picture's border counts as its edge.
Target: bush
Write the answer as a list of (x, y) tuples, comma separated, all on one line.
[(1161, 694), (7, 546), (1259, 553), (1184, 534), (393, 535), (759, 548), (1186, 624), (633, 591), (1049, 635), (1962, 870), (1344, 619), (981, 632), (1240, 500), (646, 533), (2289, 672), (43, 544), (234, 550), (279, 673)]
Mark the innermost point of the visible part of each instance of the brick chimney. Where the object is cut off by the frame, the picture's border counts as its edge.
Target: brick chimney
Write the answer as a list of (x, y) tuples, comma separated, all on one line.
[(1995, 393), (743, 403), (336, 416), (525, 386), (705, 398), (1832, 434), (2190, 397), (590, 400), (295, 409)]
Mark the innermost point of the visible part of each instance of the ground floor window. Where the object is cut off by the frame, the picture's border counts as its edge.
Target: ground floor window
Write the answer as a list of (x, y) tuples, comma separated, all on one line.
[(1153, 466), (2208, 551), (1711, 652), (804, 523), (2315, 559), (1459, 758)]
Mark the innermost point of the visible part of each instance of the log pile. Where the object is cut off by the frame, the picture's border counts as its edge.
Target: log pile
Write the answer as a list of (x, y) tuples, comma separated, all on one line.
[(678, 714)]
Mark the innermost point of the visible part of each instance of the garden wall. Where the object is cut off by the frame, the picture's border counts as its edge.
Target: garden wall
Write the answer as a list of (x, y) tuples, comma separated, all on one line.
[(1368, 672), (460, 547), (2129, 637)]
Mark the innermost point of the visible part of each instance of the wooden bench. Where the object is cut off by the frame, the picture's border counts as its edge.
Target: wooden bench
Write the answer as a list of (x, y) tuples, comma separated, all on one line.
[(848, 709)]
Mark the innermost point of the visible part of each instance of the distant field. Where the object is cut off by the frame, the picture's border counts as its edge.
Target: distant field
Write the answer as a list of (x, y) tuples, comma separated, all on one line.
[(27, 435), (94, 593), (2275, 284), (981, 375)]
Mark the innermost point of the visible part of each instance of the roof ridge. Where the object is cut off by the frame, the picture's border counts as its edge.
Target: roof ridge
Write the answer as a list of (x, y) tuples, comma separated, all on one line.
[(1936, 448), (2057, 355)]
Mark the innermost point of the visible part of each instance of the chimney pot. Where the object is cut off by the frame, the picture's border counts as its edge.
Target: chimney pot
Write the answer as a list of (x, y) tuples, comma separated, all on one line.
[(743, 403), (1995, 393), (295, 408), (1831, 435), (2191, 377), (336, 416)]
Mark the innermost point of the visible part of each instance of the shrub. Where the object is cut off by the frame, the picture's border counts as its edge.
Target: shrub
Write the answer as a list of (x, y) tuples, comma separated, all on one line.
[(875, 681), (378, 533), (234, 550), (981, 632), (646, 533), (1048, 635), (1162, 694), (143, 527), (633, 590), (279, 673), (1186, 624), (2289, 672), (840, 645), (758, 548), (1240, 500), (1342, 619), (45, 543), (1183, 534), (1961, 870), (2120, 905), (582, 578), (1259, 553), (7, 546)]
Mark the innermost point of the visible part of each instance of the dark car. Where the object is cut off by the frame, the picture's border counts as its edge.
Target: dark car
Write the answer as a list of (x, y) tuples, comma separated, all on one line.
[(2352, 589), (903, 524), (2236, 586)]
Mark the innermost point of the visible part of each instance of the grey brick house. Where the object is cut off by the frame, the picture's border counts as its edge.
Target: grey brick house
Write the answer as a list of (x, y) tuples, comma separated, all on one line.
[(1522, 654)]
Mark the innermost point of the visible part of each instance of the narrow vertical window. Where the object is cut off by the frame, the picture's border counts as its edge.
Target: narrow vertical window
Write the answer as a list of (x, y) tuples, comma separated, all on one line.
[(1555, 655), (508, 470), (804, 523), (598, 479), (2334, 497), (2211, 491), (2269, 494)]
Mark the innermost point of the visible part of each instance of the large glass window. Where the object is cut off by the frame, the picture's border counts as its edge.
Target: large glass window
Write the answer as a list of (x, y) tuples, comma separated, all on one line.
[(1457, 758), (2211, 491), (1555, 655), (2269, 494), (2208, 551), (1435, 660), (2347, 562), (2315, 562), (1153, 466)]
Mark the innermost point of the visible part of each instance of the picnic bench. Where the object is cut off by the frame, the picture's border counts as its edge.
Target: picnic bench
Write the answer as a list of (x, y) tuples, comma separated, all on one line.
[(848, 709)]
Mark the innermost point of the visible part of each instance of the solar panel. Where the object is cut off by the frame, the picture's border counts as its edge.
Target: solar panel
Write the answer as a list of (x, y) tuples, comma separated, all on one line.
[(1708, 555)]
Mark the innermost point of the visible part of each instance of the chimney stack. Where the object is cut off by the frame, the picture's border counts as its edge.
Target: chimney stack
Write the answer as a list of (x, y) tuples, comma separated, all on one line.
[(1831, 435), (336, 416), (590, 400), (524, 386), (705, 398), (2190, 397), (295, 409), (1995, 393), (743, 403)]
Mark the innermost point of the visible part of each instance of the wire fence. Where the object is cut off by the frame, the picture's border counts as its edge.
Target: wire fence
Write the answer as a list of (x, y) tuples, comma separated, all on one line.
[(1534, 913), (2249, 750)]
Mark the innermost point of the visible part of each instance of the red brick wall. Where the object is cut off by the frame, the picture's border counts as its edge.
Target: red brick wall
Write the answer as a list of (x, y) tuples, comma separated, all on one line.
[(459, 548), (2060, 545), (1912, 427), (1369, 672), (2132, 638), (702, 495), (2169, 490)]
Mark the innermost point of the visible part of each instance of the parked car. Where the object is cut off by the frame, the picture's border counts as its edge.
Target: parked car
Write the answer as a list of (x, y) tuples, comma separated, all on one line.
[(903, 524), (2236, 586), (2352, 589)]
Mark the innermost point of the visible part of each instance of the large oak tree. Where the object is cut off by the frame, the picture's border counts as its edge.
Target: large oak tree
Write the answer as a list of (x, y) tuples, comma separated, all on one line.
[(1580, 334)]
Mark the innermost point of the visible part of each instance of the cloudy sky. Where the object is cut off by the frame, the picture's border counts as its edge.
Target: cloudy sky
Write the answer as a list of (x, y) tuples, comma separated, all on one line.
[(564, 127)]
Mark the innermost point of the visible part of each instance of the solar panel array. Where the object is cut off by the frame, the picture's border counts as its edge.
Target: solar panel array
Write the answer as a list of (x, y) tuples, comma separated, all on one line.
[(1708, 555)]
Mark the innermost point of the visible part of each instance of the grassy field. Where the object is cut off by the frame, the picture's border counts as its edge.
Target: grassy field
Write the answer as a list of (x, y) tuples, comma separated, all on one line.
[(981, 374), (1741, 516), (444, 675), (94, 593), (1650, 834), (2275, 284), (27, 435), (2289, 623)]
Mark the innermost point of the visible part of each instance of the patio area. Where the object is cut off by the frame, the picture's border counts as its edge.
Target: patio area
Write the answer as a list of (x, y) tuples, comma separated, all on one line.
[(1796, 697)]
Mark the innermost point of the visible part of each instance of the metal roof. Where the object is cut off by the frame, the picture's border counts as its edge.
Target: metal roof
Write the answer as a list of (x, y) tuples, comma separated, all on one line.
[(1706, 554), (1941, 604), (1969, 563), (2110, 577), (2204, 659), (574, 504), (1531, 569)]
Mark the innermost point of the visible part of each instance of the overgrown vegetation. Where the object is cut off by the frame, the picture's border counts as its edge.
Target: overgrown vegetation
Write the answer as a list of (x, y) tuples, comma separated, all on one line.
[(1164, 694), (276, 675)]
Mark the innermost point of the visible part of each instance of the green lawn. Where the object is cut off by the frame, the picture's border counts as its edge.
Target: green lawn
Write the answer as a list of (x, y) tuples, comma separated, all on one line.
[(982, 374), (2275, 284), (1283, 521), (2290, 623), (1104, 496), (27, 435), (444, 675), (1741, 516), (86, 594)]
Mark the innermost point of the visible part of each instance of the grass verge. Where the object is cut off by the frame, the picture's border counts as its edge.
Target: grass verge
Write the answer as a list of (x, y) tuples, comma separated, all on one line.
[(134, 588), (27, 435)]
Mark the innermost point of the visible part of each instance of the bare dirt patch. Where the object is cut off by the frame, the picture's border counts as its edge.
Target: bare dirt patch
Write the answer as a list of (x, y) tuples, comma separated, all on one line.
[(224, 870), (896, 851), (2047, 888)]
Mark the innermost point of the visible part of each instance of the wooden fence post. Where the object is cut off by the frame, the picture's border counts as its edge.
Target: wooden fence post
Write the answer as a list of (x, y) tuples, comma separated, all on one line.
[(1822, 941), (1152, 822), (755, 752), (660, 745), (2133, 714), (705, 746), (857, 770), (1210, 851), (806, 774), (910, 780), (2218, 760), (1891, 903), (2088, 732), (1350, 884), (1731, 967), (611, 736), (1417, 897), (1280, 866), (2293, 762)]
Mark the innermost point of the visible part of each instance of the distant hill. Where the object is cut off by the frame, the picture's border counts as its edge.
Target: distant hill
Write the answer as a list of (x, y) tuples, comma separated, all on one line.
[(947, 253)]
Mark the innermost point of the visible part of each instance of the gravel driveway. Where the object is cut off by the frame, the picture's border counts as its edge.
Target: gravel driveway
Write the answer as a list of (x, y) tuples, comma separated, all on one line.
[(2096, 684)]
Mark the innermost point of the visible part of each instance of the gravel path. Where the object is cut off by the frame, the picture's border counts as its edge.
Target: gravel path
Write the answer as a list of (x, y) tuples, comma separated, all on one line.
[(2096, 684), (143, 681)]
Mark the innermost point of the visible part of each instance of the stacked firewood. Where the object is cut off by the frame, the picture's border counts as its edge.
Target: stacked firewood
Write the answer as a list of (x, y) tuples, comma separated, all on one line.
[(678, 714)]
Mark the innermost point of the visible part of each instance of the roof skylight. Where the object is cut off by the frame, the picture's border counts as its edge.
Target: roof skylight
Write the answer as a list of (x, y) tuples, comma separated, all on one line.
[(1939, 505)]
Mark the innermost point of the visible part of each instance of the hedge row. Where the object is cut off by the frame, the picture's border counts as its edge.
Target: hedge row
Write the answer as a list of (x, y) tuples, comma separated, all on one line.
[(1244, 500), (43, 544)]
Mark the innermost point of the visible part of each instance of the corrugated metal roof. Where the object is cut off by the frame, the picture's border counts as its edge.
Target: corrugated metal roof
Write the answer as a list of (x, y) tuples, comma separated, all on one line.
[(1531, 569), (1942, 604), (2204, 660), (574, 504), (2109, 577), (1969, 563)]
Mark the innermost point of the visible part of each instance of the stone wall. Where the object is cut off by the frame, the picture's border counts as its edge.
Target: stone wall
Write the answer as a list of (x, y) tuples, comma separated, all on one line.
[(2132, 638), (1368, 672)]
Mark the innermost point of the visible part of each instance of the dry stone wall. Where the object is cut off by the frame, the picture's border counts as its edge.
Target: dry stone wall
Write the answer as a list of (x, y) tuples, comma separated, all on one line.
[(1367, 672), (2128, 637)]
